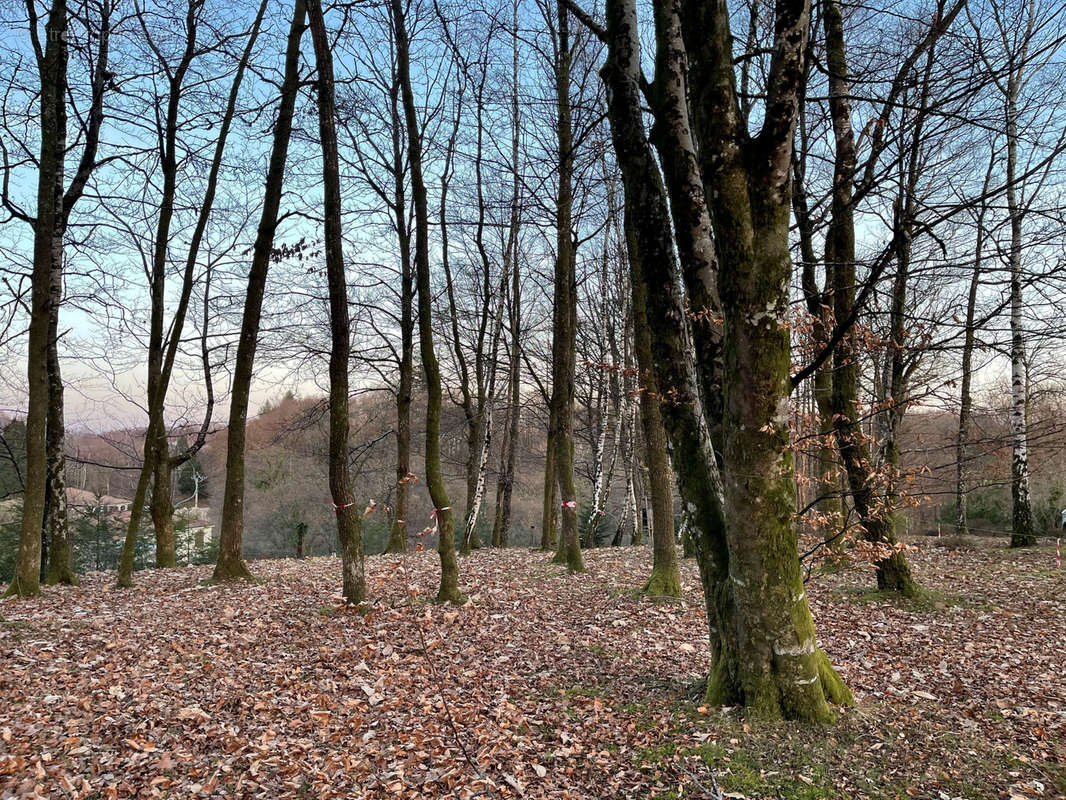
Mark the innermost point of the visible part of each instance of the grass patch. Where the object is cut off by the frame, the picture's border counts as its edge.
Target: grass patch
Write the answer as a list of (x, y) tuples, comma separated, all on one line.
[(928, 601)]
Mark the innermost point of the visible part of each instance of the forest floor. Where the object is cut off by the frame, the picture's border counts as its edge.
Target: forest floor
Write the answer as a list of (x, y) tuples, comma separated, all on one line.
[(544, 685)]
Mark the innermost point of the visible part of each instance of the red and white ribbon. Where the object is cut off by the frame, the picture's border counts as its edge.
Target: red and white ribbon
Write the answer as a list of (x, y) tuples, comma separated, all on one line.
[(569, 503), (1058, 554), (371, 506), (338, 508), (433, 518)]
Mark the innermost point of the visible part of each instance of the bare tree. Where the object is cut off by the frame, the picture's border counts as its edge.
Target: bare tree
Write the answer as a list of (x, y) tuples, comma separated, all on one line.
[(230, 561)]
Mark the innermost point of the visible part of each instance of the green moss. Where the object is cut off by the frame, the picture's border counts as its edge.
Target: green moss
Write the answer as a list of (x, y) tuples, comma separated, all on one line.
[(663, 585)]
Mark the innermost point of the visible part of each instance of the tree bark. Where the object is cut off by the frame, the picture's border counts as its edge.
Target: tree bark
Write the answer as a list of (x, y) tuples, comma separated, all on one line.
[(564, 319), (449, 568), (780, 671), (230, 562), (162, 510), (47, 257), (349, 525), (61, 546)]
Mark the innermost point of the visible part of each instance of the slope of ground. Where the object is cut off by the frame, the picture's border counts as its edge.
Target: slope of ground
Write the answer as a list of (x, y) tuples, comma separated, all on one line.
[(545, 685)]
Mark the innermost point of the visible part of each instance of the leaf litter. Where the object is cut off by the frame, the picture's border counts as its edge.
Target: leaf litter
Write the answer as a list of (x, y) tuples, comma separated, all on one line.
[(544, 685)]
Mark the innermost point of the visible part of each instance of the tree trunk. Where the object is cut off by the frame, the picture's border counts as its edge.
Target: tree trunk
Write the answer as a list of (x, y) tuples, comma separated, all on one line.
[(962, 438), (564, 320), (893, 571), (779, 669), (398, 533), (349, 524), (665, 579), (162, 353), (61, 549), (47, 257), (548, 529), (509, 456), (230, 562), (449, 567), (163, 509), (1022, 533)]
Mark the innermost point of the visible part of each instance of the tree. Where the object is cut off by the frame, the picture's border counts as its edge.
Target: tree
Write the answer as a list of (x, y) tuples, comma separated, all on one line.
[(163, 343), (348, 519), (48, 230), (230, 562), (564, 319), (442, 509)]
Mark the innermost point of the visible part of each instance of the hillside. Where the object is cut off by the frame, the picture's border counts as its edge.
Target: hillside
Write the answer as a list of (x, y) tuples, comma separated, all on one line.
[(544, 685)]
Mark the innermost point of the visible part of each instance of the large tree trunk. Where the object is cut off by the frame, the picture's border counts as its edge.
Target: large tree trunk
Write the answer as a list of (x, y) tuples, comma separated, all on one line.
[(449, 567), (780, 671), (47, 257), (230, 562), (349, 526), (893, 571), (564, 319)]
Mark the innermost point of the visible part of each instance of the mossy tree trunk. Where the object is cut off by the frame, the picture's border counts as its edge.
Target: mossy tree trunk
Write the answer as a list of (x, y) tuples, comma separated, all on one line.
[(780, 671), (893, 571), (349, 522), (230, 562), (665, 578), (47, 257), (449, 572)]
